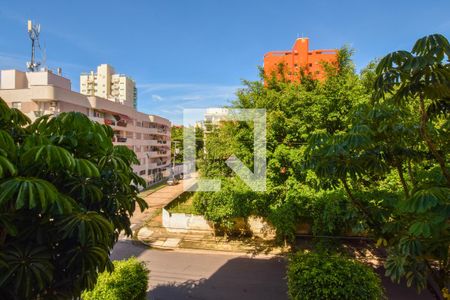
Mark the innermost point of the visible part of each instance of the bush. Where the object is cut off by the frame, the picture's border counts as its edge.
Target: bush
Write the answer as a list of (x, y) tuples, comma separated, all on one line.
[(128, 281), (320, 276)]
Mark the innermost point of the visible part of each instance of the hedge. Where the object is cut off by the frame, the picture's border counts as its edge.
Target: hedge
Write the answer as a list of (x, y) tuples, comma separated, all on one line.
[(331, 276), (128, 281)]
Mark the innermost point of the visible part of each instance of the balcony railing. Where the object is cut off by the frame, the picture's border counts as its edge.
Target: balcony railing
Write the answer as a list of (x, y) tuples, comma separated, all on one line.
[(122, 123), (120, 139), (109, 122)]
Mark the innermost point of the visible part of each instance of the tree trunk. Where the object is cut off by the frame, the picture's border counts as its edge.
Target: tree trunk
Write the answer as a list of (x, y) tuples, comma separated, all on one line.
[(434, 283), (402, 179), (359, 205), (411, 174), (433, 291), (429, 142)]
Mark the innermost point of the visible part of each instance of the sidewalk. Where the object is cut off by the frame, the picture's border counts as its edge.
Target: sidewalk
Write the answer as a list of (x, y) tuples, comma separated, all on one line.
[(157, 200), (157, 237)]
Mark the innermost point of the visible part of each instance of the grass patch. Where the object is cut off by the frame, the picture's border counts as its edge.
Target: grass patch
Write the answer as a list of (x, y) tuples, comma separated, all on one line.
[(182, 204), (152, 189)]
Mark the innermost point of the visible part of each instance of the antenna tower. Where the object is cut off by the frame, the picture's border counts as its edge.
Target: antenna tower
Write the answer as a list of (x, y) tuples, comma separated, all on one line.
[(33, 33)]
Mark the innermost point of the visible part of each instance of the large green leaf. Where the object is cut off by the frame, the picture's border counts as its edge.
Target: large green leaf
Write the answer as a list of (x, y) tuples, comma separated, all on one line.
[(54, 157), (28, 193), (425, 199), (6, 167), (29, 268), (7, 143), (431, 44), (85, 168), (86, 226)]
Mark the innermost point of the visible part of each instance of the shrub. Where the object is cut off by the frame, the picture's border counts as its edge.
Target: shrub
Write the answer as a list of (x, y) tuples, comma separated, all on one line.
[(321, 276), (128, 281)]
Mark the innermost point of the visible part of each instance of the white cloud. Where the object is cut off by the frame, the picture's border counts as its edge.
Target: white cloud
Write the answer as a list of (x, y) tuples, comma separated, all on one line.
[(157, 97), (178, 96), (188, 91)]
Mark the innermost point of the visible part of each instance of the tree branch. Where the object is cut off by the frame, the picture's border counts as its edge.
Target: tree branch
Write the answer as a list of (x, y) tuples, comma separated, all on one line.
[(429, 142)]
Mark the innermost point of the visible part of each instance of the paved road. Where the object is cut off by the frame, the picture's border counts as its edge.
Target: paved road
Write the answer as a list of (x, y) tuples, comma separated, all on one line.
[(181, 275)]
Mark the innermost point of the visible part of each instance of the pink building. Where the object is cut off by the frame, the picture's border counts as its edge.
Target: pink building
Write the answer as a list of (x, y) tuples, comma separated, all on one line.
[(43, 92)]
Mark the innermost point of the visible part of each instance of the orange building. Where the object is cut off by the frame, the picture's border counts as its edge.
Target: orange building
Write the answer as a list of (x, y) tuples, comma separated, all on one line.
[(299, 58)]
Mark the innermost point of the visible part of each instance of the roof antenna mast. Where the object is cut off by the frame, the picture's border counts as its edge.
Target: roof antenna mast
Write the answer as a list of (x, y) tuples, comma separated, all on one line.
[(33, 33)]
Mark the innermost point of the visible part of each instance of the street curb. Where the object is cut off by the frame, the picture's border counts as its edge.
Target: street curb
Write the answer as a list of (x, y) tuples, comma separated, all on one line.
[(212, 251)]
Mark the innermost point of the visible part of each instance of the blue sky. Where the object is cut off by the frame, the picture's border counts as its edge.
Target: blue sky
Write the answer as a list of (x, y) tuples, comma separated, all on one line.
[(194, 54)]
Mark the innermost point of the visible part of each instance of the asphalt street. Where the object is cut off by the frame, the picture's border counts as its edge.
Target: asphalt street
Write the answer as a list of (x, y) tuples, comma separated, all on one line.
[(185, 275)]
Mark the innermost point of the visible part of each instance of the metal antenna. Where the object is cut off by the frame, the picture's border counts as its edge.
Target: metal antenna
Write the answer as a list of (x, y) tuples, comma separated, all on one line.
[(44, 55), (33, 33)]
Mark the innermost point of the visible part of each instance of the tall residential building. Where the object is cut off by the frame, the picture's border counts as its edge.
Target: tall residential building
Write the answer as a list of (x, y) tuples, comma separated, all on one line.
[(43, 92), (109, 85), (299, 59)]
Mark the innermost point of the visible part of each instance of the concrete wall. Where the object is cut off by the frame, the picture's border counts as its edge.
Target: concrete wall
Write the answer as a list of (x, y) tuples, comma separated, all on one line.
[(178, 222), (13, 79)]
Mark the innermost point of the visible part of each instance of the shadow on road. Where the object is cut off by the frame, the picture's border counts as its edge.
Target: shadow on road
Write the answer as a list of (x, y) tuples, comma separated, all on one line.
[(125, 249), (239, 278)]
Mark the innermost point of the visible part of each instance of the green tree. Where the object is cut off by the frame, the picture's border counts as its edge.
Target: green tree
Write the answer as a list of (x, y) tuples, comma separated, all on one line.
[(65, 195), (423, 74), (294, 112), (391, 162), (419, 236), (177, 142)]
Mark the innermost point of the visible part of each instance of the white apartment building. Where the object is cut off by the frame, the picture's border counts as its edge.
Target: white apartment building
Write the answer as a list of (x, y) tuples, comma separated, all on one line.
[(213, 117), (109, 85), (43, 92)]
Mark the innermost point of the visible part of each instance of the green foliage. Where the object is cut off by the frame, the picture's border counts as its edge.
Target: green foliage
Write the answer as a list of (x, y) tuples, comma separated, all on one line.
[(65, 195), (330, 276), (182, 204), (294, 112), (419, 232), (232, 201), (351, 153), (177, 141), (128, 281)]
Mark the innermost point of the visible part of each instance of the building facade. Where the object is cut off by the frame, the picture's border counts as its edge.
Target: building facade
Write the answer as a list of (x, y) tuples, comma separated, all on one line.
[(299, 59), (109, 85), (43, 92)]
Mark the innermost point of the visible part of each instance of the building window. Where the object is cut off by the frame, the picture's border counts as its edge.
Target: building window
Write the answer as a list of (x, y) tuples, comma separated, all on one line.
[(17, 105)]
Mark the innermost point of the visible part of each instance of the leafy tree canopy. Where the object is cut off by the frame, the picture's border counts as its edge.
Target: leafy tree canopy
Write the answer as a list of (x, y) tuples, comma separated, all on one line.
[(65, 195)]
